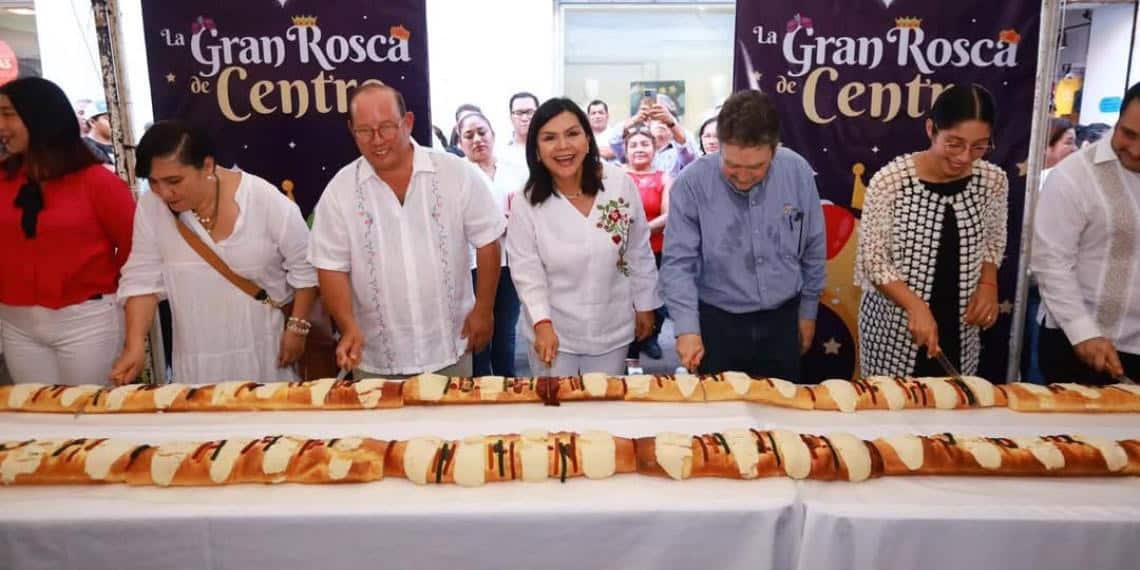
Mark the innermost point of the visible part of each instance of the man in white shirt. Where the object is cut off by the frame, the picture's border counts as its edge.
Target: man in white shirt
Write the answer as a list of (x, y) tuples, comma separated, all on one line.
[(1086, 257), (599, 114), (390, 242), (522, 105)]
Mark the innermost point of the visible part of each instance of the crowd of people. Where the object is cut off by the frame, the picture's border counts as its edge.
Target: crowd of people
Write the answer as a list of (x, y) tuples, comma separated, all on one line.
[(591, 234)]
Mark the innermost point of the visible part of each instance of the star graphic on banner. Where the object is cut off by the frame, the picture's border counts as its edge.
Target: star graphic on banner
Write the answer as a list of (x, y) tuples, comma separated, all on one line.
[(170, 78), (973, 20), (832, 346), (824, 149), (282, 2), (292, 144), (366, 17), (756, 75), (1022, 168), (875, 149), (887, 3), (1005, 307), (245, 146)]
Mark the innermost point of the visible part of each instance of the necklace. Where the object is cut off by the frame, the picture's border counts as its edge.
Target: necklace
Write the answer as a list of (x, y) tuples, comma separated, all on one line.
[(209, 222), (572, 196)]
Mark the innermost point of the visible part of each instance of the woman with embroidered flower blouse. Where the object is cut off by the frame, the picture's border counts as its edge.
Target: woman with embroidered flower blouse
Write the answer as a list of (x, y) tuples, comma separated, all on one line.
[(933, 234), (579, 249)]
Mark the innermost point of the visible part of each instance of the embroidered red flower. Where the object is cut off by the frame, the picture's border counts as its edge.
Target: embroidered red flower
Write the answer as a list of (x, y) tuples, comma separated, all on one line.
[(616, 238), (615, 215)]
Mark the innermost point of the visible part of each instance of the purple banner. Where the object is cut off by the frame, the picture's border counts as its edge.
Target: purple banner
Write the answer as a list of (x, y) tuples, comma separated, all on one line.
[(271, 78), (852, 80)]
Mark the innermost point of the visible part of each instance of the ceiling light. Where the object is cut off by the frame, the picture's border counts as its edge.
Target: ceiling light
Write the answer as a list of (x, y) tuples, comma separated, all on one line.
[(22, 11)]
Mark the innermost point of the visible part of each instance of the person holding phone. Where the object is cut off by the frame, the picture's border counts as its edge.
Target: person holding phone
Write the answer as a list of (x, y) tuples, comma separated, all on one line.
[(674, 150)]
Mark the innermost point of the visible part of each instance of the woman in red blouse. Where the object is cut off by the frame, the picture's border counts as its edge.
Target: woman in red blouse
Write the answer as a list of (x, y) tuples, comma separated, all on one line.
[(653, 185), (65, 230)]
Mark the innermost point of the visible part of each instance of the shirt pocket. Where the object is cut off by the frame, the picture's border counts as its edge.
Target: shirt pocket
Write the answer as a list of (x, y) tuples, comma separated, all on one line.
[(790, 235)]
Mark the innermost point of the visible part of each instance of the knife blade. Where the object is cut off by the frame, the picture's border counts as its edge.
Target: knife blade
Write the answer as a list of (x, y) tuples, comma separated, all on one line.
[(951, 371), (1122, 379), (340, 375)]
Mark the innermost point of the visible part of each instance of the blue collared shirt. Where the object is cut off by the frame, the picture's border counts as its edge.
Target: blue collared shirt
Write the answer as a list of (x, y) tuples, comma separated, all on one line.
[(743, 251)]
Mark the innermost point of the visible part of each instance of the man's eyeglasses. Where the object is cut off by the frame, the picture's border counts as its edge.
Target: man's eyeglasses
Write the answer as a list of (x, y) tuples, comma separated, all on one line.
[(385, 130), (522, 113)]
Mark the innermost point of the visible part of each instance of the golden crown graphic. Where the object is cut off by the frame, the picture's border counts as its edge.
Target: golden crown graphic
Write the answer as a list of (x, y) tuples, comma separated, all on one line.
[(305, 21), (1009, 36), (400, 33), (908, 22)]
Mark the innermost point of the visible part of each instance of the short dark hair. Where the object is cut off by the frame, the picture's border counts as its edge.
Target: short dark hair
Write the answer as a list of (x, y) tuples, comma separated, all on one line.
[(701, 132), (401, 106), (540, 184), (189, 144), (748, 118), (521, 95), (961, 103), (596, 102), (1133, 94), (1091, 133), (55, 147), (1058, 126)]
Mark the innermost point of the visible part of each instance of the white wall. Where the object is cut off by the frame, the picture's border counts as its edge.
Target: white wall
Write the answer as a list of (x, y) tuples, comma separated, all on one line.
[(68, 50), (1134, 73), (1107, 72), (483, 51), (69, 53)]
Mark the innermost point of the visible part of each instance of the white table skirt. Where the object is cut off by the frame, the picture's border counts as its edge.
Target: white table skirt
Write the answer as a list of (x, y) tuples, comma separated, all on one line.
[(628, 521)]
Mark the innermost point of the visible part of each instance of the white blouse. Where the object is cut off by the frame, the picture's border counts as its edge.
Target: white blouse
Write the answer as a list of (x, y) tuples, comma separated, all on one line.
[(408, 263), (587, 274), (220, 333), (509, 180)]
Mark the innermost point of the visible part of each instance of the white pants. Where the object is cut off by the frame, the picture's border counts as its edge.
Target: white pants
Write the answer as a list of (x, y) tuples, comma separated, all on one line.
[(567, 364), (73, 345)]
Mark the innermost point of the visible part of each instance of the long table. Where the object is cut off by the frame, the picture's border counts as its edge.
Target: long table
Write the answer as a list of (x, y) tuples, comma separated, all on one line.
[(628, 521)]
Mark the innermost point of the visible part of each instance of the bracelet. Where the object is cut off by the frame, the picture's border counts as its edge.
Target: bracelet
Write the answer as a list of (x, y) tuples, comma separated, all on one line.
[(540, 322), (298, 326)]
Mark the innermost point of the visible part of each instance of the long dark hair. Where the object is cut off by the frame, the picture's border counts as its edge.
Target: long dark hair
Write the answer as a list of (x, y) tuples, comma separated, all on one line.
[(540, 185), (55, 147), (701, 134)]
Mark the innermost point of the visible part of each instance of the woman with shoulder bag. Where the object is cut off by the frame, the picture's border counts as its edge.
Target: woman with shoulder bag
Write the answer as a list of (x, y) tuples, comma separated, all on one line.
[(228, 250)]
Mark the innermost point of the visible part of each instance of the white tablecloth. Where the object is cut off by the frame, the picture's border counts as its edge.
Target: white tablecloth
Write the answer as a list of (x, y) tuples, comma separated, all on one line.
[(624, 522)]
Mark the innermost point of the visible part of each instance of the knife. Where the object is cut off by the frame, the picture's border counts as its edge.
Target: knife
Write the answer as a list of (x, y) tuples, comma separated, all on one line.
[(1122, 379), (340, 375), (949, 368)]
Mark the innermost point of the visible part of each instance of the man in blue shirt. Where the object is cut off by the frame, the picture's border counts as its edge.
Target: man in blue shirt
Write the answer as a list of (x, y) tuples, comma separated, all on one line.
[(743, 265)]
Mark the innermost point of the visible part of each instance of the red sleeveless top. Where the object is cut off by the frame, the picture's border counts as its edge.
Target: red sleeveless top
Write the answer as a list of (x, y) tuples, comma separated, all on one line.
[(651, 186)]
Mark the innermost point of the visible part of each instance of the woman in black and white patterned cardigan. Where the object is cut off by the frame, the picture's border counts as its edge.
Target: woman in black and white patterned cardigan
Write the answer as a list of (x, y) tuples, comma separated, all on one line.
[(933, 233)]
